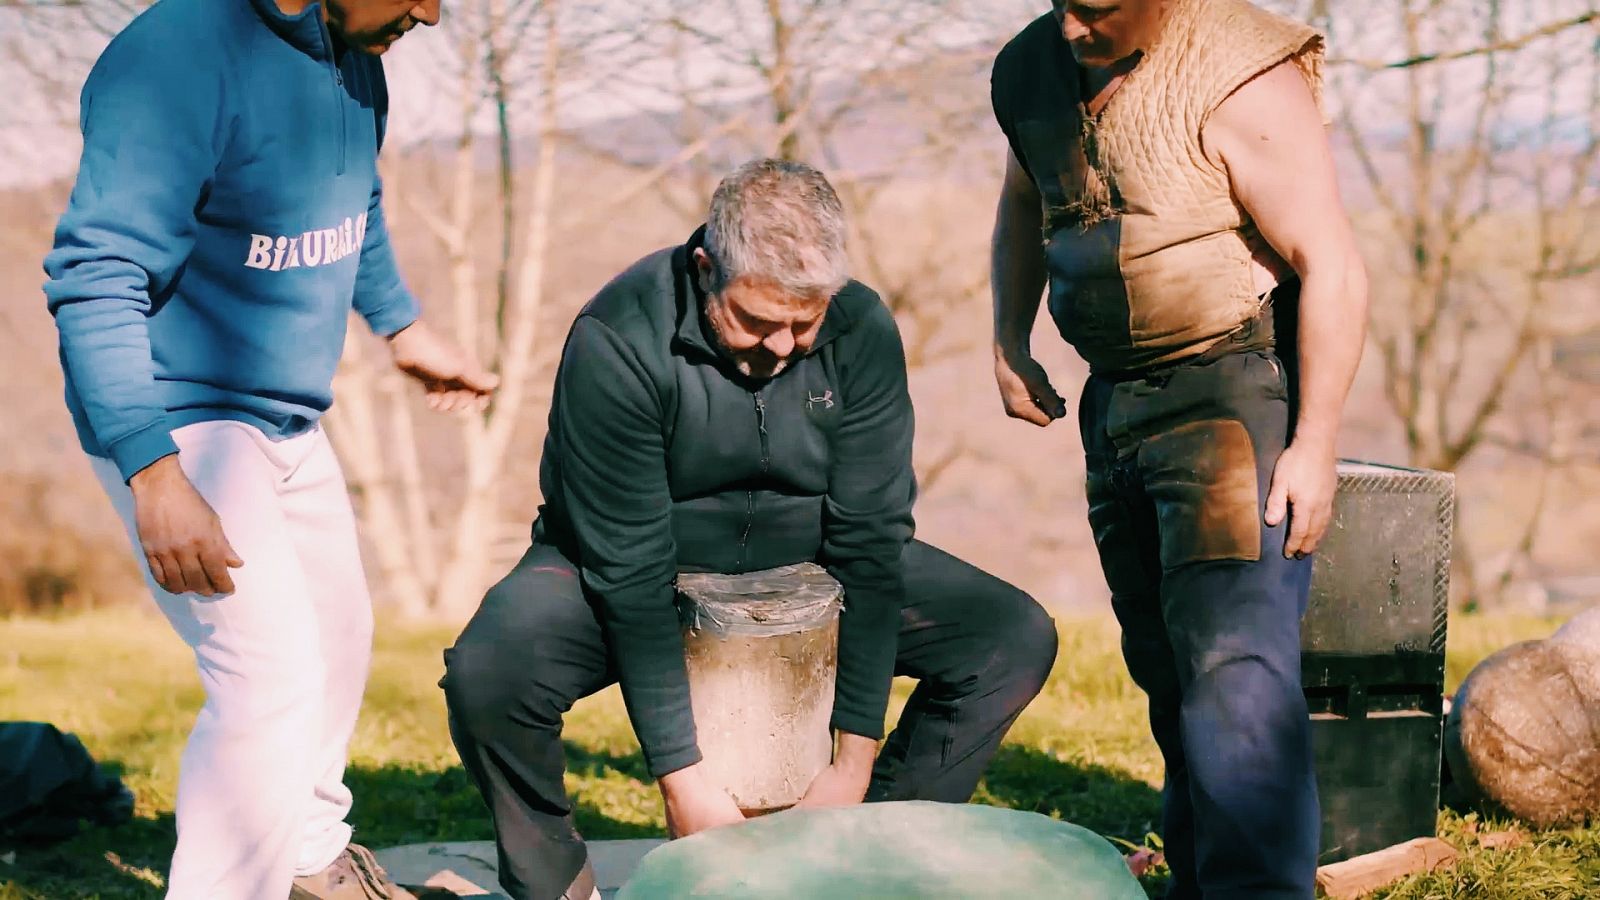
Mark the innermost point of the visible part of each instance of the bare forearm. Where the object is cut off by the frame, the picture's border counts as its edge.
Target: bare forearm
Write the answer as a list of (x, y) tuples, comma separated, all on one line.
[(846, 779), (1017, 276), (854, 752), (1016, 272), (1333, 329)]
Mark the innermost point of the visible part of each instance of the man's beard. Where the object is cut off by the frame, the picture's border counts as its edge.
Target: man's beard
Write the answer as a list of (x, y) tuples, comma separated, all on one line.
[(368, 40), (383, 37), (756, 363)]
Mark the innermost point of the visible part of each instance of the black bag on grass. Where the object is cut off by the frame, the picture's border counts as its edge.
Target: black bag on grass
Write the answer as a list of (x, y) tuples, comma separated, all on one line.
[(49, 785)]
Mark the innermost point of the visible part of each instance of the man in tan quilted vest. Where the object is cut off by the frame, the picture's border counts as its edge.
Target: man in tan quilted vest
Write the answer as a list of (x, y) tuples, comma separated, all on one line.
[(1170, 180)]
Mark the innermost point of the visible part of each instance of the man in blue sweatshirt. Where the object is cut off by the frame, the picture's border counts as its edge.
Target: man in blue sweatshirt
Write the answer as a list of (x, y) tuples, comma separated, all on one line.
[(224, 222)]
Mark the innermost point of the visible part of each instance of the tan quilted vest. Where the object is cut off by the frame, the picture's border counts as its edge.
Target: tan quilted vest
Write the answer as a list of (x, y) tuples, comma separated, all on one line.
[(1146, 204)]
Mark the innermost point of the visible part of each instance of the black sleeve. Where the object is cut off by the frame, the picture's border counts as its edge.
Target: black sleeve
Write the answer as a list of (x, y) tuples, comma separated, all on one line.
[(1003, 89), (867, 519), (606, 421)]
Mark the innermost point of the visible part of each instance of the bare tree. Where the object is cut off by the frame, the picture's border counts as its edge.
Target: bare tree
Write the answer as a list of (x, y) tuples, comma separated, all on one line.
[(437, 521), (1479, 171), (868, 91), (433, 554), (46, 50), (53, 44), (508, 73), (1469, 124), (1498, 45)]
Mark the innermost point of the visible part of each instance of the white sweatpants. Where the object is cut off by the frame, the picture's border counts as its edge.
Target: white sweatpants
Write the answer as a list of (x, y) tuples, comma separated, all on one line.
[(283, 661)]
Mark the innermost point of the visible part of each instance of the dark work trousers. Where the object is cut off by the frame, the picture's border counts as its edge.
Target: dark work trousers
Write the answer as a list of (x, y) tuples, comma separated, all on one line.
[(980, 649), (1179, 465)]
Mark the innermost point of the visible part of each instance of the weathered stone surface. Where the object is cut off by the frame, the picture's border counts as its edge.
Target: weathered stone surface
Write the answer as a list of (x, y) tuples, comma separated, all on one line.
[(761, 649), (467, 868), (1524, 730), (1578, 642), (464, 868), (885, 851)]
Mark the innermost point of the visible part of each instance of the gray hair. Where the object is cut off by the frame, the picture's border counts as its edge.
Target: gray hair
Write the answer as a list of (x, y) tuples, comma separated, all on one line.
[(778, 221)]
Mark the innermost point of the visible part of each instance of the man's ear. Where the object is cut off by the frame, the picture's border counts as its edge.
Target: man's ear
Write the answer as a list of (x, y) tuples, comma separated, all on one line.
[(703, 268)]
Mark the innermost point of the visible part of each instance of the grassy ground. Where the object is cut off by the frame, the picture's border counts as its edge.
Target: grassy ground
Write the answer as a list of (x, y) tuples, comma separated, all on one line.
[(123, 683)]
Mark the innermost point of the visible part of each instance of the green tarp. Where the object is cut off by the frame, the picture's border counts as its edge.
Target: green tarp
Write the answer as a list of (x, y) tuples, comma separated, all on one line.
[(914, 850)]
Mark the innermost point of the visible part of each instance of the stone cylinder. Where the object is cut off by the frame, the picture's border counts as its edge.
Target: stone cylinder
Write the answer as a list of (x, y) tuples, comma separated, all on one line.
[(762, 649)]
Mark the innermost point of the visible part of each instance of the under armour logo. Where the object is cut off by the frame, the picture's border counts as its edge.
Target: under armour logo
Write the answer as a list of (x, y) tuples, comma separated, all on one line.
[(826, 400)]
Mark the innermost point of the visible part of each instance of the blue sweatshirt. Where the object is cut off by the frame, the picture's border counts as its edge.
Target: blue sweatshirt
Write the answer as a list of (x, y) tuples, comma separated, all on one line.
[(224, 222)]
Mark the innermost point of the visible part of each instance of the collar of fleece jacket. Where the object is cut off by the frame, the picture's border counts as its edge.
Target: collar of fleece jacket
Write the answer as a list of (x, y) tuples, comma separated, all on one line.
[(694, 333)]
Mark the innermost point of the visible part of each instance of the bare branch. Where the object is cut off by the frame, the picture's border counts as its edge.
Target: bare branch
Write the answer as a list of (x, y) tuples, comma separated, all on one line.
[(930, 473), (1502, 46), (654, 176), (442, 230)]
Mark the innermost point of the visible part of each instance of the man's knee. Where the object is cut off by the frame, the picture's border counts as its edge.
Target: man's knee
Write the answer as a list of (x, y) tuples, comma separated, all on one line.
[(503, 668), (1009, 643), (475, 683), (1248, 698), (1032, 642)]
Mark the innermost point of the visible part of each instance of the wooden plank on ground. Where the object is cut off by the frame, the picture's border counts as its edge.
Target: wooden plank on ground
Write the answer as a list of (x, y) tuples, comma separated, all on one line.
[(1361, 875)]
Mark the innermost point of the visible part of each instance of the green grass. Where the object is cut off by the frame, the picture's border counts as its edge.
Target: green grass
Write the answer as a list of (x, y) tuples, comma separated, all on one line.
[(123, 683)]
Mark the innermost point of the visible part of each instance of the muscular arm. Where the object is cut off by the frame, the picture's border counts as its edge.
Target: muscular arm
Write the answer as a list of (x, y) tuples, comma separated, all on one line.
[(1269, 136), (1017, 278), (1016, 264)]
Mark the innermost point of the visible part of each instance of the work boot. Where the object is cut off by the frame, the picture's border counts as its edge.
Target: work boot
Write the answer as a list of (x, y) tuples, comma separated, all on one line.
[(355, 875)]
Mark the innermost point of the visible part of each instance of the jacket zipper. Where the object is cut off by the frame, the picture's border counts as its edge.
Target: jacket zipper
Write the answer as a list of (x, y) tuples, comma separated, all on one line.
[(338, 91), (761, 425), (750, 495), (344, 124)]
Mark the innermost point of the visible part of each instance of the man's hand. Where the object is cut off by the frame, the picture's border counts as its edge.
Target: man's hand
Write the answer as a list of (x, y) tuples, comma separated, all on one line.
[(453, 380), (180, 532), (1303, 484), (694, 804), (845, 781), (1025, 389)]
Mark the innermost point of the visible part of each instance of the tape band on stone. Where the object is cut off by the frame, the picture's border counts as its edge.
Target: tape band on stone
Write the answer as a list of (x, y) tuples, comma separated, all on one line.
[(777, 601)]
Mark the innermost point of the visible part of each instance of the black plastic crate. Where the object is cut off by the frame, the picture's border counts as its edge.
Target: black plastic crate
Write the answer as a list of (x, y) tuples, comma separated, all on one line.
[(1372, 645)]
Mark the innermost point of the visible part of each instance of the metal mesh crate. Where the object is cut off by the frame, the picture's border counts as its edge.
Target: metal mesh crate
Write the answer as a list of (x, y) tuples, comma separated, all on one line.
[(1372, 646)]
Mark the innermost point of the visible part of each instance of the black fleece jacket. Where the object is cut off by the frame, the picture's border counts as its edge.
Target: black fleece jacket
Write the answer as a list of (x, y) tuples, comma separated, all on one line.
[(662, 458)]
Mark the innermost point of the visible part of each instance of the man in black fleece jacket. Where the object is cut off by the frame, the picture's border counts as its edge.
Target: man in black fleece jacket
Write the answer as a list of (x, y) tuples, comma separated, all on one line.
[(730, 405)]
